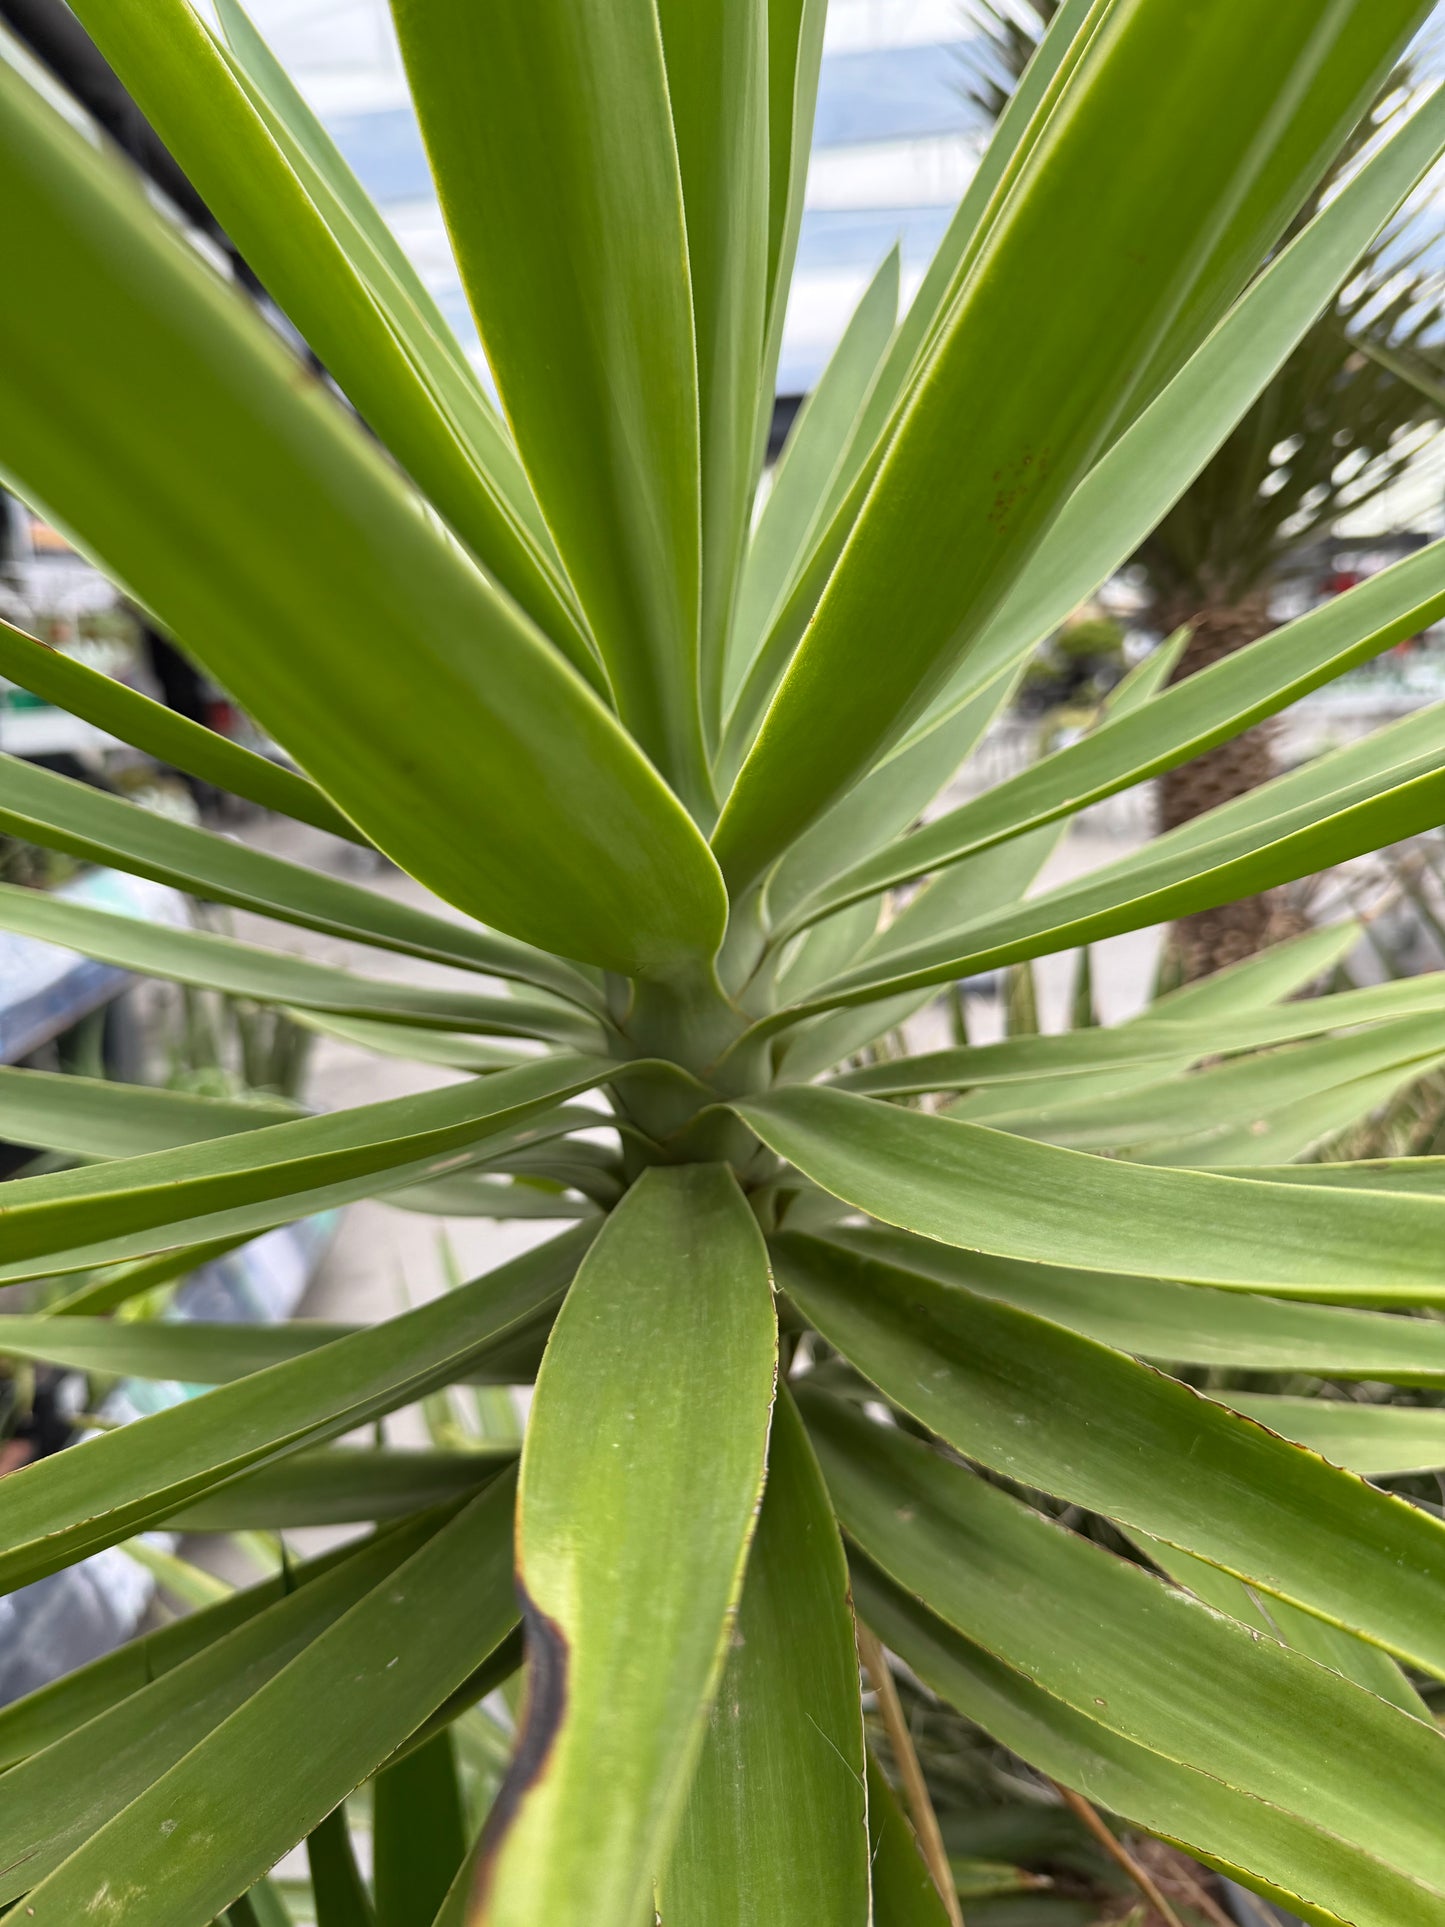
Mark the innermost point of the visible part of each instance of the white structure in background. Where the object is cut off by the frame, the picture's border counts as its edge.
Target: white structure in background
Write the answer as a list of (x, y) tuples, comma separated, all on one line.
[(896, 143), (894, 147)]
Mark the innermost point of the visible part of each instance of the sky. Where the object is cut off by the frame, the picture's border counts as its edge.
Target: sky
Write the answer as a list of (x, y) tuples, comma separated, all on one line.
[(895, 145)]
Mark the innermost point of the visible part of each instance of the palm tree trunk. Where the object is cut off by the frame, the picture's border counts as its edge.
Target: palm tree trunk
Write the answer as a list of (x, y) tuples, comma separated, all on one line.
[(1212, 939)]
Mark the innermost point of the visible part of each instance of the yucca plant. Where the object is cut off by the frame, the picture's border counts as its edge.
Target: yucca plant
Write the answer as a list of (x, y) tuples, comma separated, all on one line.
[(662, 765)]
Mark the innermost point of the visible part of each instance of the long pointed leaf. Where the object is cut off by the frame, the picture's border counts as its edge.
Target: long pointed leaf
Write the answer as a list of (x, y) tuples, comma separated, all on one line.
[(1231, 695), (1175, 1802), (60, 814), (302, 574), (903, 1891), (1200, 152), (811, 454), (640, 1479), (983, 1190), (418, 1834), (225, 1813), (775, 1826), (1142, 1660), (717, 83), (59, 1797), (214, 962), (1180, 1324), (1124, 496), (163, 733), (111, 1486), (552, 143), (1060, 1414), (341, 1485), (180, 79), (198, 1185), (336, 1885), (1331, 812), (795, 51), (31, 1724)]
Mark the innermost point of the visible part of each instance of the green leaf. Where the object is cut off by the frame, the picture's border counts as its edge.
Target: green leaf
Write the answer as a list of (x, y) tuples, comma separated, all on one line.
[(403, 1040), (903, 1891), (1293, 1130), (336, 1886), (1205, 709), (552, 144), (1343, 806), (1159, 107), (342, 1485), (775, 1827), (31, 1724), (1415, 1177), (233, 1805), (1376, 1440), (1019, 1070), (58, 1797), (887, 800), (109, 1487), (1246, 1093), (993, 878), (261, 1906), (795, 51), (1179, 1324), (164, 734), (786, 525), (983, 1190), (226, 1185), (187, 1584), (419, 1835), (312, 259), (1145, 1662), (1173, 1801), (1134, 484), (1096, 1428), (1028, 110), (469, 1196), (60, 814), (393, 282), (717, 82), (86, 1117), (301, 574), (112, 1288), (214, 962), (394, 279), (520, 546), (1331, 1646), (1123, 497), (648, 1432), (983, 885), (1016, 132), (987, 882)]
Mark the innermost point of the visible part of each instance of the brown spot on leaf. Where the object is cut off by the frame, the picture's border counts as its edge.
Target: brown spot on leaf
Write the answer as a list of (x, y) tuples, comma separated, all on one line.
[(548, 1657)]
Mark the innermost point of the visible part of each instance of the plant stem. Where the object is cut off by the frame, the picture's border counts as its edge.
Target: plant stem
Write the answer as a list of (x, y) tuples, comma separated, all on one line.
[(915, 1787), (1119, 1854)]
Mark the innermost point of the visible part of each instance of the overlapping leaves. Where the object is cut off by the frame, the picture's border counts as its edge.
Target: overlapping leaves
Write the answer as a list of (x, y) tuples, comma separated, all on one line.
[(538, 658)]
